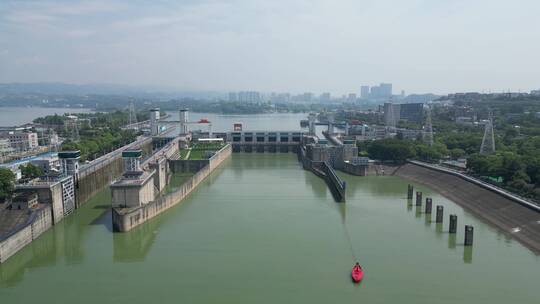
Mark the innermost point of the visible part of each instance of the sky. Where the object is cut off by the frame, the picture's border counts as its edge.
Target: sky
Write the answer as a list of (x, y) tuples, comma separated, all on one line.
[(439, 46)]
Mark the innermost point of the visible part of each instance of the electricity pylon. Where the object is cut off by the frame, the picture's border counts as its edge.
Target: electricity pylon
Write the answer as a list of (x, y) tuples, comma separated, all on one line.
[(488, 141), (132, 114)]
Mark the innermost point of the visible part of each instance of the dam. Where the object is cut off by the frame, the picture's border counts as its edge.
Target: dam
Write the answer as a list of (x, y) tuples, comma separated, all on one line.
[(260, 228)]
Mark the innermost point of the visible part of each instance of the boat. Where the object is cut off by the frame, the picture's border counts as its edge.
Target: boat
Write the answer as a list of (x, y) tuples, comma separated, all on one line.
[(357, 273)]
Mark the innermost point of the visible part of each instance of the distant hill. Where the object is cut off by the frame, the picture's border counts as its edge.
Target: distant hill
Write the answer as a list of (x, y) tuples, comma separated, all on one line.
[(423, 98), (57, 88)]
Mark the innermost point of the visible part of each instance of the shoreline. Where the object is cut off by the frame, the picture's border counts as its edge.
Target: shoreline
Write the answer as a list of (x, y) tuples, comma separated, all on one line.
[(493, 208)]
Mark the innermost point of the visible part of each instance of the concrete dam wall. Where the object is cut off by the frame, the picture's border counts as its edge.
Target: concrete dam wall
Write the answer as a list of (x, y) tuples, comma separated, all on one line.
[(326, 172), (39, 221), (125, 219), (95, 178)]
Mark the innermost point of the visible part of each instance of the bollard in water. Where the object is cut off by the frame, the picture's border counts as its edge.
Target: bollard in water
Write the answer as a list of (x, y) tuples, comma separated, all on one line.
[(429, 203), (418, 198), (452, 228), (439, 214), (410, 191), (469, 230)]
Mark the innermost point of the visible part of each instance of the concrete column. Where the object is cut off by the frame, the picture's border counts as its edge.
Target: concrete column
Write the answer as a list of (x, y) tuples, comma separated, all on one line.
[(410, 192), (469, 231), (452, 228), (429, 204), (418, 198), (439, 214)]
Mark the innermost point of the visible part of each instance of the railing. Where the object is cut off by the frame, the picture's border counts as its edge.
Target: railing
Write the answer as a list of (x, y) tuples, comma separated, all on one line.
[(480, 183)]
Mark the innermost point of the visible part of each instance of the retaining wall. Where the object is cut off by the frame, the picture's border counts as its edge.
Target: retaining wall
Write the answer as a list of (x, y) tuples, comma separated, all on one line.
[(326, 172), (95, 177), (38, 222), (125, 219), (516, 220)]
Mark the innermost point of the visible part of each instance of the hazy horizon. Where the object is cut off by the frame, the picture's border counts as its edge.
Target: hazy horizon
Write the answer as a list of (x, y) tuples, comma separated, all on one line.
[(297, 45)]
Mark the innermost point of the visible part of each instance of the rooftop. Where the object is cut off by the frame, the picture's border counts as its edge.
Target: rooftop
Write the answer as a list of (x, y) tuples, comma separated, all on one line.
[(133, 179)]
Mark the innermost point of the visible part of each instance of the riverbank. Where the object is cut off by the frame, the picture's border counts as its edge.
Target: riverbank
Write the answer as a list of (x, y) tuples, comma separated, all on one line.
[(513, 219)]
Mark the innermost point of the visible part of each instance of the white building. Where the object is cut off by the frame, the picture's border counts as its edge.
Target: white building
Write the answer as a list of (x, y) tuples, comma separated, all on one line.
[(23, 141)]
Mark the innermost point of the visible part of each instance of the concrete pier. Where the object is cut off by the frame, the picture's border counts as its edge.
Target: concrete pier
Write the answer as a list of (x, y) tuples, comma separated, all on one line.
[(418, 198), (469, 231), (439, 214), (410, 192), (452, 227), (429, 204)]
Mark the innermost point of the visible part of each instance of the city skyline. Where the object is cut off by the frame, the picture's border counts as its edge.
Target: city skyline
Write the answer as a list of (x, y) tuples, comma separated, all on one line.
[(293, 46)]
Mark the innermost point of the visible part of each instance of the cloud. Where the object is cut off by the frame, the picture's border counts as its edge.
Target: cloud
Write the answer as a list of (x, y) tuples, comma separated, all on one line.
[(296, 45)]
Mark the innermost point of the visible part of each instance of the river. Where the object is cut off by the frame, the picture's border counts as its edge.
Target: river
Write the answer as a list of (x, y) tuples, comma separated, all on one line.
[(260, 229), (14, 116)]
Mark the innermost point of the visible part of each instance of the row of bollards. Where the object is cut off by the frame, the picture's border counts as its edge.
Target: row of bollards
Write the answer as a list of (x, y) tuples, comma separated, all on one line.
[(439, 214)]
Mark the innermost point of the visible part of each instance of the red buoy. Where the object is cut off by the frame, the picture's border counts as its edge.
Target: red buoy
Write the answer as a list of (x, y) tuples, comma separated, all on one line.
[(357, 273)]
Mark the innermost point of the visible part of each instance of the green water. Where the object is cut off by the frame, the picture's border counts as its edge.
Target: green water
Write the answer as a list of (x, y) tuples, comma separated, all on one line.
[(262, 230)]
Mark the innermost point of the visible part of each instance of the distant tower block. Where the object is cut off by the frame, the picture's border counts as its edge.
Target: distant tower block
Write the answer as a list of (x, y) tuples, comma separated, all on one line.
[(330, 124), (69, 161), (488, 142), (154, 122), (132, 160), (183, 115), (428, 132), (311, 120)]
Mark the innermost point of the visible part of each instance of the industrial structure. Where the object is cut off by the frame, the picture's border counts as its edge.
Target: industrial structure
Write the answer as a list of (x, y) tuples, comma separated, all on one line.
[(488, 141), (428, 130)]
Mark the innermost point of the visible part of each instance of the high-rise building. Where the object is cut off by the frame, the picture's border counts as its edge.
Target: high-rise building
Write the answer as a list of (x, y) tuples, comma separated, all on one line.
[(249, 96), (386, 90), (325, 97), (374, 92), (393, 113), (351, 97), (233, 96), (307, 97), (364, 92), (412, 112)]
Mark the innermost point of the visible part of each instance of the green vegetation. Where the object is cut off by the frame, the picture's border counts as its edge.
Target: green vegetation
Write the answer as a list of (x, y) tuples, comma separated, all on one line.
[(30, 171), (177, 179), (7, 183), (516, 164), (399, 150), (202, 150), (99, 133)]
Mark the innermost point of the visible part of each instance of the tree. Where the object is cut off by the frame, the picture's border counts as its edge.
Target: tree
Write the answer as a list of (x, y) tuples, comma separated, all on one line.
[(457, 153), (428, 153), (7, 183), (30, 171), (391, 149)]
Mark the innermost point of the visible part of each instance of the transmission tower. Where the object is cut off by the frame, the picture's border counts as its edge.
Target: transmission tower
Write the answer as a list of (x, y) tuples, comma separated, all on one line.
[(132, 114), (53, 142), (488, 142), (73, 129), (428, 132)]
